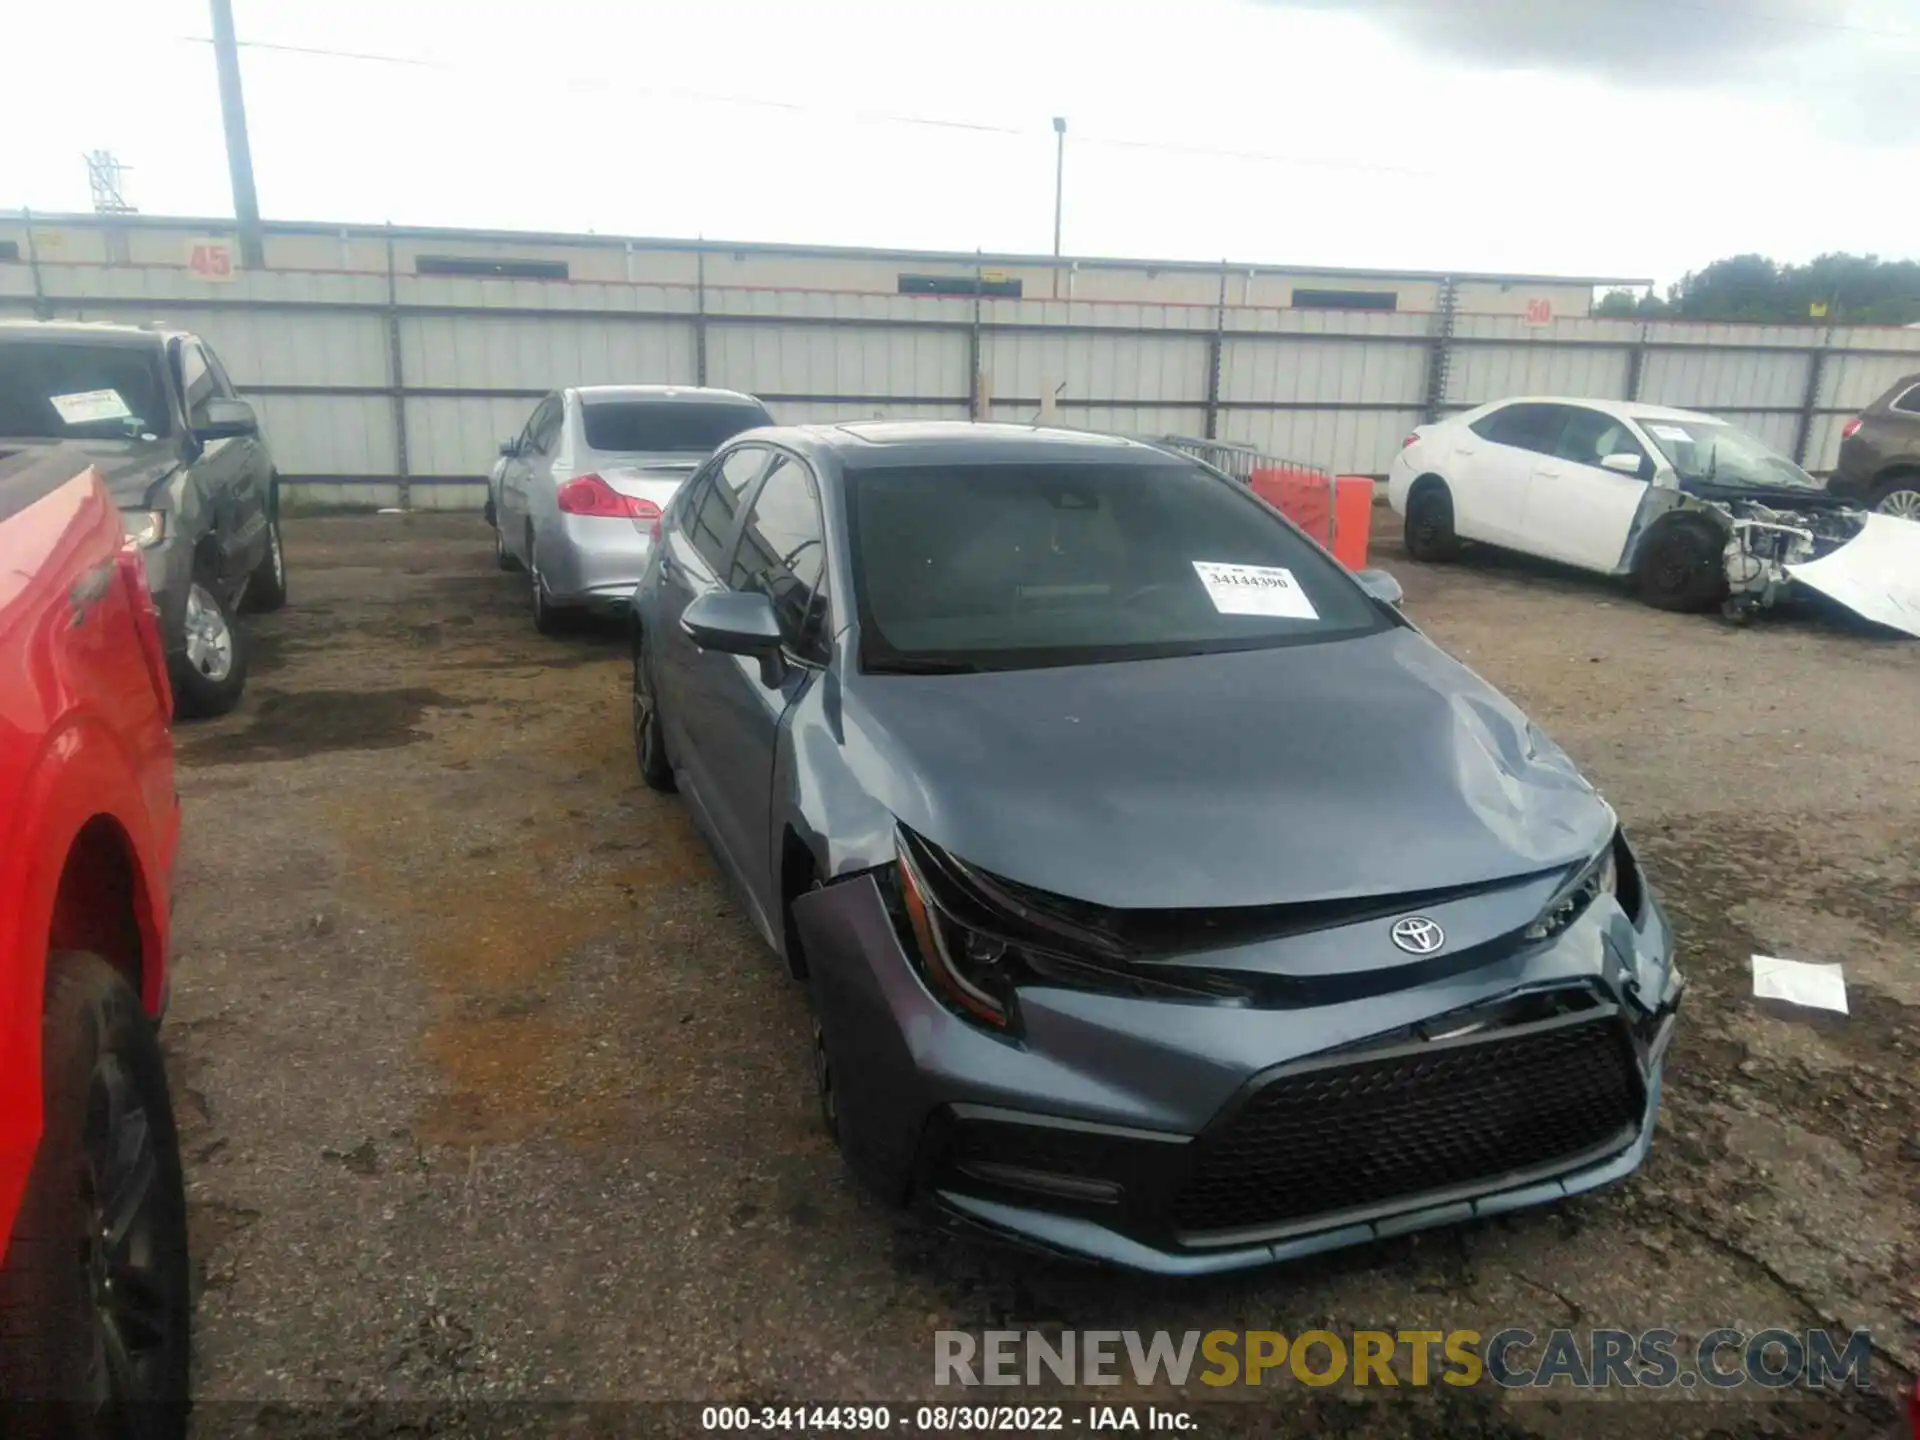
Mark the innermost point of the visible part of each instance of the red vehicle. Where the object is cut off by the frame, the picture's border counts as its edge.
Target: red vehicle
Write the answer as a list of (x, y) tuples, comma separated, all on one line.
[(93, 1291)]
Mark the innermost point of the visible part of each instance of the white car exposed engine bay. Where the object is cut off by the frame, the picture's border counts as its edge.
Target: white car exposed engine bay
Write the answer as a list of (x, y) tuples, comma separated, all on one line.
[(1695, 511)]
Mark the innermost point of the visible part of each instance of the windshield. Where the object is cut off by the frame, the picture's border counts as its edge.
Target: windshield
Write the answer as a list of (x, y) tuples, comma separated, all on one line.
[(1706, 450), (58, 390), (642, 425), (1015, 566)]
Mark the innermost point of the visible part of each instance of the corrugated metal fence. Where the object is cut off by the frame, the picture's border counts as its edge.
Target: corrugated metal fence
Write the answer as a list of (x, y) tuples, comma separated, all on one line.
[(385, 388)]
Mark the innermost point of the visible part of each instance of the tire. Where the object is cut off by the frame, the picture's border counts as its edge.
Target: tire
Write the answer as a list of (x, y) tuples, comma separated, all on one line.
[(267, 586), (109, 1132), (1680, 566), (649, 740), (208, 677), (548, 618), (1429, 529), (1899, 496), (503, 558)]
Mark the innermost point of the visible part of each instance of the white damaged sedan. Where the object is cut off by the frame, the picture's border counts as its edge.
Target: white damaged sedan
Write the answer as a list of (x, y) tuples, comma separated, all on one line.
[(1696, 512)]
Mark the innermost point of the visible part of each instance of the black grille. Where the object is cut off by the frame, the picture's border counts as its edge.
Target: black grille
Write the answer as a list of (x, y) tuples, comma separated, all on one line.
[(1408, 1122)]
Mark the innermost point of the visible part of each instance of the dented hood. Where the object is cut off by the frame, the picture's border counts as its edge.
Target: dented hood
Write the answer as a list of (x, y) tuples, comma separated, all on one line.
[(1371, 766), (1875, 574)]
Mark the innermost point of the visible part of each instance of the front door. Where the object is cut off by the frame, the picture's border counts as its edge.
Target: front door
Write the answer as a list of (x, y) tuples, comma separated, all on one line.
[(780, 553), (1578, 511)]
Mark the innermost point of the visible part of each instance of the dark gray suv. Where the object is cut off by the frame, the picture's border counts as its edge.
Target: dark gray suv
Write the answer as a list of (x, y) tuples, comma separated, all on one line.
[(1880, 453), (183, 458)]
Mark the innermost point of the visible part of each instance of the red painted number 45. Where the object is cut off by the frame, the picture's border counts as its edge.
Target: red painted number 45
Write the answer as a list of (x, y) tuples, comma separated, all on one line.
[(211, 262)]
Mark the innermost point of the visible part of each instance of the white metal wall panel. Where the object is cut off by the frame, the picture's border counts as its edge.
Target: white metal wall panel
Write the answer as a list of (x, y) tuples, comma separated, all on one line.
[(1350, 442), (1855, 381), (543, 352), (1479, 373), (1139, 420), (470, 497), (1322, 370), (838, 361), (817, 412), (328, 434), (460, 435), (1082, 367), (1716, 380), (1823, 443)]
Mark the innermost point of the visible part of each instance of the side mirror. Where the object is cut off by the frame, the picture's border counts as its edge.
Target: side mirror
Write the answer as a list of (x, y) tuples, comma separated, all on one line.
[(222, 418), (1624, 463), (510, 447), (734, 622), (1381, 586)]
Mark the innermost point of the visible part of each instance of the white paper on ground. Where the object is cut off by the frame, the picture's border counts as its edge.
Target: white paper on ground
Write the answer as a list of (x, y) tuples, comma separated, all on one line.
[(87, 406), (1819, 987), (1876, 574), (1254, 590)]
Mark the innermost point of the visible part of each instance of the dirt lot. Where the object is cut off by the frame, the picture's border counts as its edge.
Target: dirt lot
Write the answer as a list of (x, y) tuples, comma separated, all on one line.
[(489, 1092)]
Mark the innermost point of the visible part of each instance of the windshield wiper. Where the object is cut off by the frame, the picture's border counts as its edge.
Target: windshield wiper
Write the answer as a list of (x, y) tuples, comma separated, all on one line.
[(912, 665)]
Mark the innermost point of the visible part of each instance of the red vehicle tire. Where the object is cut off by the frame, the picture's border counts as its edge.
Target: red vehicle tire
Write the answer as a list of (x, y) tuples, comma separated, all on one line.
[(99, 1347)]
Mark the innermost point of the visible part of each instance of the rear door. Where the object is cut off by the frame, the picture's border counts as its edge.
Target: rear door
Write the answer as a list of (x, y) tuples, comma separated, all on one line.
[(1494, 462), (1578, 511), (517, 480)]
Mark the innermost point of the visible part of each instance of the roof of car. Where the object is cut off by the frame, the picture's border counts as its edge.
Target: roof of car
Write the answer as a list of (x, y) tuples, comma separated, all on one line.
[(690, 394), (1623, 409), (928, 442), (75, 330)]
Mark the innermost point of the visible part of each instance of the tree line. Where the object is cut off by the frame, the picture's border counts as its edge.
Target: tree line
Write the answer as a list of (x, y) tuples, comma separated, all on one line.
[(1838, 289)]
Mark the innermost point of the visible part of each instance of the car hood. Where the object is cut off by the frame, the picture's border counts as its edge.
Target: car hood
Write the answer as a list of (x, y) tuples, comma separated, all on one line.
[(1374, 766), (130, 468)]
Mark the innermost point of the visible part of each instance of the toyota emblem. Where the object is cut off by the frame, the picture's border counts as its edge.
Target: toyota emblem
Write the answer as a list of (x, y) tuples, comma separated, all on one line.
[(1417, 935)]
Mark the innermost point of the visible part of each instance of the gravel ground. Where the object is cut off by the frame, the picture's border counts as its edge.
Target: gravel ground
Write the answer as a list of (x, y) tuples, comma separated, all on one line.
[(490, 1094)]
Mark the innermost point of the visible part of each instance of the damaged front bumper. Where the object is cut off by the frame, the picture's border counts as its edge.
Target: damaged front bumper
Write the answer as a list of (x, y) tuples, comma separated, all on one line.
[(1867, 562), (1191, 1138)]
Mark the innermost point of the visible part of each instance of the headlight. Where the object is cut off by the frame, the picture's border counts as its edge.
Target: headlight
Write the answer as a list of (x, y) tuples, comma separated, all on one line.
[(974, 951), (1600, 876), (145, 528)]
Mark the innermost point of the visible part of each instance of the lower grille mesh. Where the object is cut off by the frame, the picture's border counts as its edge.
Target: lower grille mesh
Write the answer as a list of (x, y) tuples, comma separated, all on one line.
[(1393, 1127)]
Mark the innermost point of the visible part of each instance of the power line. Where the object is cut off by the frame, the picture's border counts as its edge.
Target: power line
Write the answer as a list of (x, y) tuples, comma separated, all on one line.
[(886, 117)]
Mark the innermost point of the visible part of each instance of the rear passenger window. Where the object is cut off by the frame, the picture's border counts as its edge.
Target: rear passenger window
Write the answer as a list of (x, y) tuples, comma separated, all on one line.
[(1528, 427), (1909, 403), (710, 526), (782, 554)]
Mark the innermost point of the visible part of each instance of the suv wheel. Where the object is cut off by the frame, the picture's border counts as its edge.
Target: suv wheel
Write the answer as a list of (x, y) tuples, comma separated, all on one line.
[(94, 1296), (212, 670), (1900, 497)]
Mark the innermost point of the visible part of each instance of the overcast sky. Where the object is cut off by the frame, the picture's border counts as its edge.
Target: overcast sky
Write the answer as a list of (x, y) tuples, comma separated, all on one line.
[(1598, 137)]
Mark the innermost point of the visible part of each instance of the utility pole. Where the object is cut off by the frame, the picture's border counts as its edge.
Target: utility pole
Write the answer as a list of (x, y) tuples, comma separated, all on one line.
[(1059, 181), (233, 111)]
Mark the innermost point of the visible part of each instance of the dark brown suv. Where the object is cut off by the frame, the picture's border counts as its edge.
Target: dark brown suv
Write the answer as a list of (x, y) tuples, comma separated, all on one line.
[(1880, 453)]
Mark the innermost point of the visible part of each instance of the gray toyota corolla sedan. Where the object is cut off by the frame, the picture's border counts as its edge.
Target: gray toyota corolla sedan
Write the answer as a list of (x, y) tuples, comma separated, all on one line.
[(1164, 897)]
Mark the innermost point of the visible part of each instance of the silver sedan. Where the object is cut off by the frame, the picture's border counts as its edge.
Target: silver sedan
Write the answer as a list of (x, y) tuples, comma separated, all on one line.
[(577, 493)]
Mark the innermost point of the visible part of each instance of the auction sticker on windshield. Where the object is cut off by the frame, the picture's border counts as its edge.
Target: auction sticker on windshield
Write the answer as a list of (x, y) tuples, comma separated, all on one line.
[(88, 406), (1254, 590), (1670, 432)]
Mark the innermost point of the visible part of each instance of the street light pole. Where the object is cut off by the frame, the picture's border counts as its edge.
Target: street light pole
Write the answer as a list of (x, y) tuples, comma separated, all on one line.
[(233, 110), (1059, 181)]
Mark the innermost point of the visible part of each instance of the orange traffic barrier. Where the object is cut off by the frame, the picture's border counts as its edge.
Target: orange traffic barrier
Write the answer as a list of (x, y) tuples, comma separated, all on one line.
[(1337, 513), (1352, 520)]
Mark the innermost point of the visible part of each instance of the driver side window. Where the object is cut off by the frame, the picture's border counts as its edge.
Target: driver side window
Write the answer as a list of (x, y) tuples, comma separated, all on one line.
[(1590, 436)]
